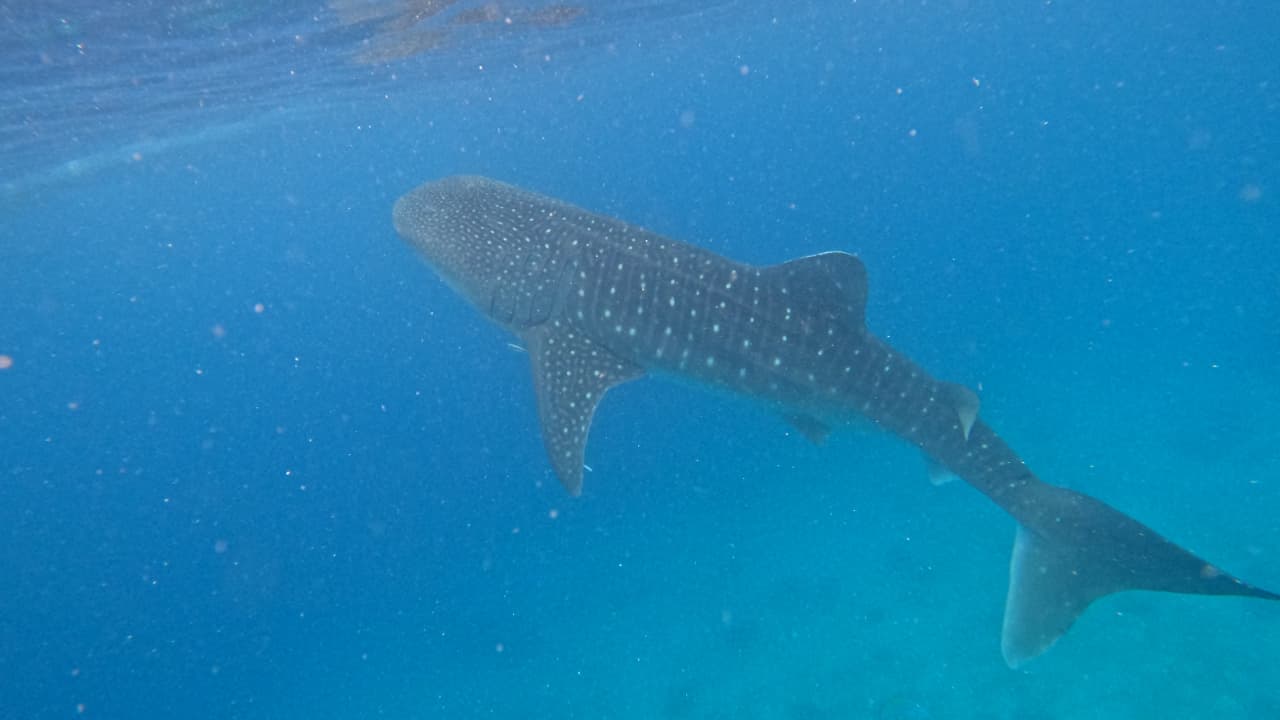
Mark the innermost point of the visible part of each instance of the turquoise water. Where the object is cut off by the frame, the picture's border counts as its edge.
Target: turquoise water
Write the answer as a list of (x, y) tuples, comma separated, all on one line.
[(258, 462)]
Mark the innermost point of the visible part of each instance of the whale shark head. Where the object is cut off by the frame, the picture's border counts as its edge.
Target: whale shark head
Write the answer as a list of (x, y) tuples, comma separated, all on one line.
[(503, 249)]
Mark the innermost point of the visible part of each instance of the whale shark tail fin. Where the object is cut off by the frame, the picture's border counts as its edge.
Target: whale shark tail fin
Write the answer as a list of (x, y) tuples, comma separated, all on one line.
[(1076, 549)]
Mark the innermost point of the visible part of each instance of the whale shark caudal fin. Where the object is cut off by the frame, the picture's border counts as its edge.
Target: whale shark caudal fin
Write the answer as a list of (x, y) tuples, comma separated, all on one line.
[(1073, 549), (570, 375)]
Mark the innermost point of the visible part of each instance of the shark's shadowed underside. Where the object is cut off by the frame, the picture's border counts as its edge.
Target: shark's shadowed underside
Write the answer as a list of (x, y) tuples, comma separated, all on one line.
[(599, 302)]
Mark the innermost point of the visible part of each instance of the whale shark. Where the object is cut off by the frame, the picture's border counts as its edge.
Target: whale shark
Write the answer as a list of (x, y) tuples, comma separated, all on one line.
[(598, 302)]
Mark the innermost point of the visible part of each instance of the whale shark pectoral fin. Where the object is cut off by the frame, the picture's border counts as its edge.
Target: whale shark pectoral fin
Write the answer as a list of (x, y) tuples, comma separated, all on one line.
[(570, 375), (966, 404)]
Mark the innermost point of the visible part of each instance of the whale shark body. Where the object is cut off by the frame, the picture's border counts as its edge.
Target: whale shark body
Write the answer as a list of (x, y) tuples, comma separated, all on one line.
[(598, 302)]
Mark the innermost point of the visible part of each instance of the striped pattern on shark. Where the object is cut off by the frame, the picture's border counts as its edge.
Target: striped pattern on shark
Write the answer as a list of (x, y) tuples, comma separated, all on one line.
[(598, 302)]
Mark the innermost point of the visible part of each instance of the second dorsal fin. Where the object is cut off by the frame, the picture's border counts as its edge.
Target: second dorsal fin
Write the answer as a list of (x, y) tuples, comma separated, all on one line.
[(966, 404)]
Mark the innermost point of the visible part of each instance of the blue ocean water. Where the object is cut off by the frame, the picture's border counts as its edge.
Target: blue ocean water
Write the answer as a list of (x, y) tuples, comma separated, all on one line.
[(259, 462)]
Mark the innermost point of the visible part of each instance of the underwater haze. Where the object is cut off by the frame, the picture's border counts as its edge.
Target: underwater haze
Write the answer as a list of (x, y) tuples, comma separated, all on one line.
[(257, 460)]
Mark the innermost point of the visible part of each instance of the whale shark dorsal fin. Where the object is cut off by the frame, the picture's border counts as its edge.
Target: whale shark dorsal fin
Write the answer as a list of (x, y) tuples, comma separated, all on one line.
[(570, 375), (966, 404), (833, 280)]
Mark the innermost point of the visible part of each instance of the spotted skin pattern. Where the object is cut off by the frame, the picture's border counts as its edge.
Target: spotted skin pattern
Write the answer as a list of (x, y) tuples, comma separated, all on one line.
[(599, 301)]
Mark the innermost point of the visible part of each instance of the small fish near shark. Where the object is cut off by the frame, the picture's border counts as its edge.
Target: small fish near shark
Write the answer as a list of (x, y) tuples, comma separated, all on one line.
[(597, 302)]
